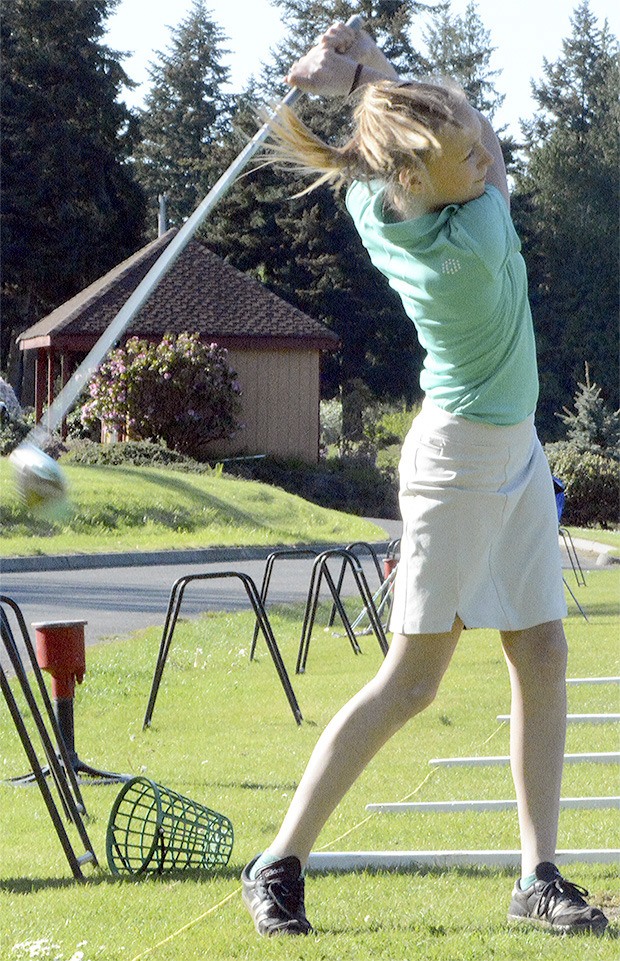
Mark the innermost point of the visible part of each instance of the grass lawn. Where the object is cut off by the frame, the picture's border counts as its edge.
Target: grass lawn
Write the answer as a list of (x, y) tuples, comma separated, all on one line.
[(610, 537), (223, 735), (146, 508)]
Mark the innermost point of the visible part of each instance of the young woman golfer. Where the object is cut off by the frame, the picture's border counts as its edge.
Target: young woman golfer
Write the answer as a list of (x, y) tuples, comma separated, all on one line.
[(429, 198)]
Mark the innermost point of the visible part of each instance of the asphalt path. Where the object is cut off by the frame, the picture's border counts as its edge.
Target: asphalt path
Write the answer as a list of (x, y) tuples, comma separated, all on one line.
[(115, 601)]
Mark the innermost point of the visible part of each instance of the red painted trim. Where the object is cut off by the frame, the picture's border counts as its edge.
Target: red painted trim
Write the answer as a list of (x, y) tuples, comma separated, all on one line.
[(40, 378), (83, 343)]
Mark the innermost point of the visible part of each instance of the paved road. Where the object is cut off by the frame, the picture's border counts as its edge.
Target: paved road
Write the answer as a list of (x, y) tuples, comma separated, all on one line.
[(118, 600)]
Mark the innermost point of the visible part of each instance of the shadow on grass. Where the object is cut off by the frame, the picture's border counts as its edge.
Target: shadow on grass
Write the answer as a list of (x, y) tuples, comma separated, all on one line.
[(412, 927), (232, 872), (440, 931), (24, 885), (201, 498), (593, 610), (243, 785), (426, 870), (101, 876), (16, 517)]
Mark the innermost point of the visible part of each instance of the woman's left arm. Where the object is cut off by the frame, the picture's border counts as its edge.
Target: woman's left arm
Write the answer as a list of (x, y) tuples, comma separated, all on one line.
[(496, 175)]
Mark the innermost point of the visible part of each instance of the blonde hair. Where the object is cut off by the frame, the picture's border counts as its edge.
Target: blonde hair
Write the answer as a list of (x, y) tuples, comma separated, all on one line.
[(395, 126)]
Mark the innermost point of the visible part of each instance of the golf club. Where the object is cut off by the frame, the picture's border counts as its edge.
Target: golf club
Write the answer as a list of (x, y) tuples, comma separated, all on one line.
[(39, 479)]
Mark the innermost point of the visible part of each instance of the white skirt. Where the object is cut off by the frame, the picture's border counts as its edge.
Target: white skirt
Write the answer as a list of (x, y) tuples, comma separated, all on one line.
[(480, 528)]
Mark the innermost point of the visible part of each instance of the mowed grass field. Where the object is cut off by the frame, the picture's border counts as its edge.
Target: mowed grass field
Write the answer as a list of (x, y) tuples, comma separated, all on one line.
[(148, 509), (223, 735)]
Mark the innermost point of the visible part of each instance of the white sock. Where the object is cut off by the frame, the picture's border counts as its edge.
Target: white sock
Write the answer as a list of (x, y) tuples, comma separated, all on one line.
[(262, 861)]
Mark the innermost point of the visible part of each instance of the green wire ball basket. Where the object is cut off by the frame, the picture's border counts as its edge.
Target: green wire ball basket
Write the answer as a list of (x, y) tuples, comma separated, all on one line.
[(153, 830)]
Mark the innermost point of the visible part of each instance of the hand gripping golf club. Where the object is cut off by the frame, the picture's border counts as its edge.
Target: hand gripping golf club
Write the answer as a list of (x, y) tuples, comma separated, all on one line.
[(38, 476)]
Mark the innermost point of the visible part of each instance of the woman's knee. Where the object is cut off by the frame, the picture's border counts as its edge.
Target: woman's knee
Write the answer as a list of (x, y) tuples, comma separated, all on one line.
[(412, 672), (409, 677), (408, 700)]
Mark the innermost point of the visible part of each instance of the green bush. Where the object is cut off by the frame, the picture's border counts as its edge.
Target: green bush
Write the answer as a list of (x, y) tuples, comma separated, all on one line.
[(390, 425), (592, 485), (592, 426), (12, 433), (137, 453)]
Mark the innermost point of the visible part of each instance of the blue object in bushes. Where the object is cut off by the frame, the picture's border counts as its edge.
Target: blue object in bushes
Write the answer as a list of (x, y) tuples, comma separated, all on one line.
[(560, 496)]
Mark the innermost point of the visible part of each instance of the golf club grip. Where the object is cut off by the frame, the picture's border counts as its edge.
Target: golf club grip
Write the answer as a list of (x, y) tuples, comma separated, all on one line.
[(83, 374)]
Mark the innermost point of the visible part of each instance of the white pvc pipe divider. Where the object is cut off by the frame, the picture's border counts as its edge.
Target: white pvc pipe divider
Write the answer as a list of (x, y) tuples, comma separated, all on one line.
[(410, 860), (593, 680), (603, 757), (580, 718), (452, 807)]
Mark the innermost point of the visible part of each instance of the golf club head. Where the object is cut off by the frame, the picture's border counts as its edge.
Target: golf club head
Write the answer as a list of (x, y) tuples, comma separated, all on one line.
[(39, 480)]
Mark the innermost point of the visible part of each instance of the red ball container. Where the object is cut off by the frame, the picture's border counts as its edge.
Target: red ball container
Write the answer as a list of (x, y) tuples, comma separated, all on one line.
[(61, 651)]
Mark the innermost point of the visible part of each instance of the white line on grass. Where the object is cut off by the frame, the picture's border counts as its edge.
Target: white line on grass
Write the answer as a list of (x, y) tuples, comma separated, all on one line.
[(593, 680)]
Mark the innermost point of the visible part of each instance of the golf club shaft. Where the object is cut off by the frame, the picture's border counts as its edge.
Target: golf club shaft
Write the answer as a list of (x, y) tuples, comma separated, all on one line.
[(83, 374)]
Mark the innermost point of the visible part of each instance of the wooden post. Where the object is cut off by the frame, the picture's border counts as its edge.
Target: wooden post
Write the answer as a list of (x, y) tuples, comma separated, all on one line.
[(40, 382), (51, 357), (64, 377)]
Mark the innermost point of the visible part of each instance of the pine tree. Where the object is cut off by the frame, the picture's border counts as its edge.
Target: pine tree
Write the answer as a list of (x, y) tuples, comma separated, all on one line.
[(460, 47), (186, 115), (389, 22), (567, 205), (592, 427), (70, 206)]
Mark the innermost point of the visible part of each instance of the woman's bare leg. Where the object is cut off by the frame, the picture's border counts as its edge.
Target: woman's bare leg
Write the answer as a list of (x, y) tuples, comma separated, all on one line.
[(405, 684), (537, 666)]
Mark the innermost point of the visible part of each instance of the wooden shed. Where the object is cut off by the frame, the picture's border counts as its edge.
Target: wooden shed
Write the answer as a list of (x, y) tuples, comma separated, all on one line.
[(274, 347)]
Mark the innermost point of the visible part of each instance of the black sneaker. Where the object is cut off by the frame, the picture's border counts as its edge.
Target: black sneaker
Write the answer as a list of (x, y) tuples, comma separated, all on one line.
[(554, 903), (275, 898)]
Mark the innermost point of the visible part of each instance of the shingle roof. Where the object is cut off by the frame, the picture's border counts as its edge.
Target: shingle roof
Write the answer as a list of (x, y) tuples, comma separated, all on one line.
[(200, 292)]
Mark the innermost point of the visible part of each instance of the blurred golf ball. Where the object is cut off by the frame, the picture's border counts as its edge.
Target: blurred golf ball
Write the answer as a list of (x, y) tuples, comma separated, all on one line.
[(39, 480)]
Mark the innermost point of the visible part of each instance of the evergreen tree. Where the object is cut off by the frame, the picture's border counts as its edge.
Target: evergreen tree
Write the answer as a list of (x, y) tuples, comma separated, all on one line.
[(389, 22), (592, 427), (460, 47), (567, 205), (70, 206), (186, 116)]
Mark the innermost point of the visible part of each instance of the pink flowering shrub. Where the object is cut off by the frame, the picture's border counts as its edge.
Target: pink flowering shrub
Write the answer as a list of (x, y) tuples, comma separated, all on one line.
[(179, 391)]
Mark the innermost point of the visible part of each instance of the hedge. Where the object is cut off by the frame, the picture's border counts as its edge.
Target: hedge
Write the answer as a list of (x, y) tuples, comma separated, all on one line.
[(592, 484)]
